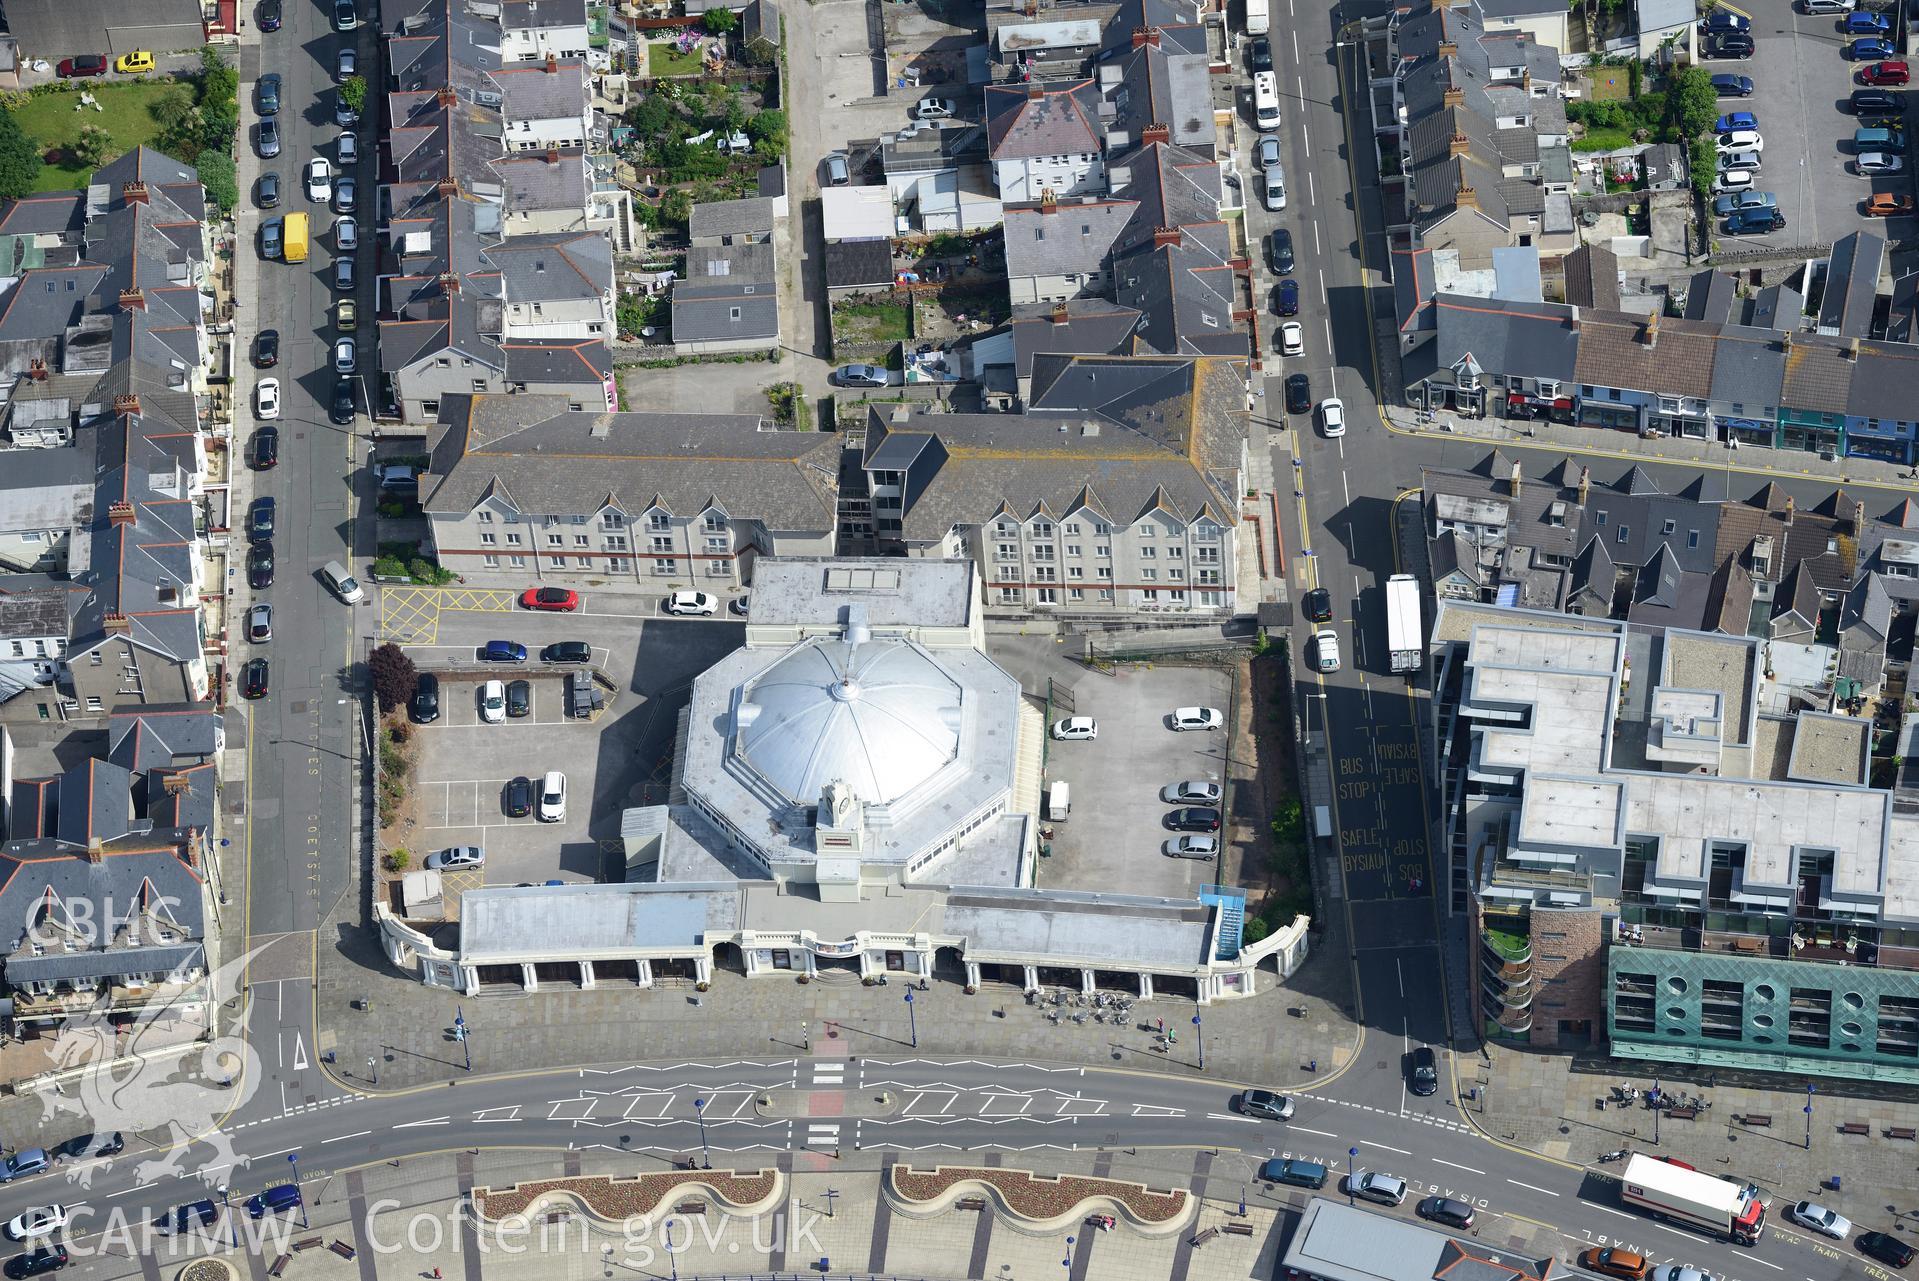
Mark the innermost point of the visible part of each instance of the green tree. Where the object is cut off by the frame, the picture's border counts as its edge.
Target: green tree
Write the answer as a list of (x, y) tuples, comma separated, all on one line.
[(94, 146), (1705, 166), (732, 112), (677, 209), (20, 161), (1691, 102), (217, 176), (720, 21), (169, 111), (768, 132), (353, 93)]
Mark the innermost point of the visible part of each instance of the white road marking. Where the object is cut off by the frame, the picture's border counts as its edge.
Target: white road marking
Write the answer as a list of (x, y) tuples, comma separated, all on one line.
[(1295, 45), (1345, 489), (1328, 322), (1605, 1209), (1402, 1151), (1324, 1134), (1312, 198), (1232, 1116), (1323, 299), (1530, 1188), (1774, 1266), (1467, 1168), (341, 1138), (413, 1125)]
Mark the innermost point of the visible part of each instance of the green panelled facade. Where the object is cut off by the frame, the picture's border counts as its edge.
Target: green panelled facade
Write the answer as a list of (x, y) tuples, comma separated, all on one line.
[(1808, 1017)]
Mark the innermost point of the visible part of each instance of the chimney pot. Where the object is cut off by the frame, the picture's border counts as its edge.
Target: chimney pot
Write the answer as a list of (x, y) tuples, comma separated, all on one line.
[(450, 282), (134, 193), (1062, 312), (96, 850), (121, 513), (1467, 198), (115, 623), (552, 63), (446, 97), (449, 187), (553, 155), (176, 785), (1458, 145), (1163, 236), (1143, 36), (1453, 97), (1048, 200), (126, 404), (132, 300), (1155, 133)]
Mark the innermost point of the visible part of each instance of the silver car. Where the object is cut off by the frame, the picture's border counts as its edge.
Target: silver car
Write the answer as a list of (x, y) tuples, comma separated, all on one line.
[(1192, 791), (1201, 846), (456, 858)]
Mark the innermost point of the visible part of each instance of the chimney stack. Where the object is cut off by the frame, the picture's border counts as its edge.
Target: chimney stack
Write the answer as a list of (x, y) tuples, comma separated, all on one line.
[(553, 155), (1649, 332), (115, 623), (1062, 312), (1458, 145), (132, 300), (1585, 484), (126, 404), (1155, 133), (447, 98), (1852, 349), (1163, 236), (552, 63), (37, 369), (96, 849), (1792, 509), (1453, 97), (1035, 91), (1447, 49), (134, 193), (177, 785), (1515, 477), (450, 282), (1143, 36), (1467, 198), (121, 513), (1048, 200), (449, 187)]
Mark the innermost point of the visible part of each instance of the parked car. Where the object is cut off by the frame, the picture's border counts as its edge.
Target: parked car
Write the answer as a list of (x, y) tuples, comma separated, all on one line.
[(1721, 21), (182, 1218), (502, 651), (1887, 205), (1736, 120), (1755, 222), (1734, 160), (1883, 74), (1611, 1261), (1203, 848), (271, 13), (552, 808), (48, 1258), (1371, 1185), (346, 235), (1299, 394), (85, 64), (345, 65), (260, 623), (558, 600), (1870, 49), (1735, 180), (1730, 45), (137, 63), (260, 520), (280, 1197), (934, 107), (343, 113), (266, 399), (860, 376), (345, 356), (1889, 1250), (567, 652), (267, 195), (1318, 605), (1266, 1104), (318, 176), (253, 679), (519, 699), (1422, 1071), (1827, 6), (41, 1222), (690, 602), (1862, 23), (425, 708), (1196, 818), (1873, 163), (266, 349), (1740, 140), (345, 18), (346, 315), (1292, 339), (266, 449), (343, 274), (1727, 205), (341, 410), (1877, 138), (456, 858), (1732, 86), (1076, 727), (1827, 1223), (1868, 102), (1192, 791), (1286, 298), (1281, 245), (516, 801), (1259, 55), (1326, 649), (260, 566), (1265, 150), (1294, 1172), (268, 90), (1185, 718), (1443, 1209), (493, 702), (346, 151), (346, 194)]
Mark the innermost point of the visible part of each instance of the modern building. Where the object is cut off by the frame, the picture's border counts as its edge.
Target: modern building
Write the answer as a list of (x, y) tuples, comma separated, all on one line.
[(1335, 1242), (854, 792)]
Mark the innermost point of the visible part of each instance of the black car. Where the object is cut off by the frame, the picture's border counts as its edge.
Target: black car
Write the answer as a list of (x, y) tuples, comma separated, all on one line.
[(1319, 606), (266, 349), (1282, 251), (1299, 394), (269, 190), (260, 520), (519, 698), (1260, 54), (1422, 1072), (426, 699), (270, 15), (1731, 86), (270, 137), (253, 679), (1889, 1250), (1286, 298), (1733, 44), (260, 566), (345, 17), (1196, 818), (341, 410), (1443, 1209), (48, 1258), (567, 652), (90, 1144), (266, 449), (517, 800), (269, 89), (1867, 102)]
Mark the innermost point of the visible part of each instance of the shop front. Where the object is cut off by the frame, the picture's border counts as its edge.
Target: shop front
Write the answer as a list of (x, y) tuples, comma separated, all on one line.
[(1822, 434), (1890, 443), (1745, 431)]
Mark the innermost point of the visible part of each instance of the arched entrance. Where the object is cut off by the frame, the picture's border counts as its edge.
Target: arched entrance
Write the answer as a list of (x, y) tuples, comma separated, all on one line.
[(729, 957)]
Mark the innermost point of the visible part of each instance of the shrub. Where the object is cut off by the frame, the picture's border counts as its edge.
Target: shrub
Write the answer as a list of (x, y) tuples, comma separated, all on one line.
[(389, 567), (217, 176), (1254, 930), (398, 859), (394, 676)]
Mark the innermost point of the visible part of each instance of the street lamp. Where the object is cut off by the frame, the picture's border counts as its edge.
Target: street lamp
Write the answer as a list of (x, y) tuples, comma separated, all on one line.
[(1199, 1041), (293, 1159), (233, 1223), (1352, 1155), (1652, 1098), (699, 1110), (373, 1069), (911, 1021), (670, 1258), (1067, 1262), (460, 1033), (1809, 1091)]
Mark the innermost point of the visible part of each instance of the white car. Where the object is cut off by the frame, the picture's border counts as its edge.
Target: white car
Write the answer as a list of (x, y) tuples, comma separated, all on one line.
[(43, 1221), (1326, 649), (493, 702), (1332, 417), (552, 806), (1368, 1185), (1194, 846), (1185, 718), (691, 603), (266, 398), (1734, 180), (1810, 1214), (1741, 140), (319, 176), (1292, 339), (1076, 727), (456, 858), (345, 356)]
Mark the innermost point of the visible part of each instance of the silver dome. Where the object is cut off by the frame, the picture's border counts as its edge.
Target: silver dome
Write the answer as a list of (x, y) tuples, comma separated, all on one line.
[(881, 716)]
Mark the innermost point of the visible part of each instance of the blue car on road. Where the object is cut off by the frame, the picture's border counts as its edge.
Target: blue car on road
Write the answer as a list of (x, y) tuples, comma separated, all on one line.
[(1727, 85), (1861, 23), (1871, 49)]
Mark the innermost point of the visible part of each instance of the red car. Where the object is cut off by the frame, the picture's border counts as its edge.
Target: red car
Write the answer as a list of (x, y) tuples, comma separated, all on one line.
[(558, 600), (86, 64), (1887, 73)]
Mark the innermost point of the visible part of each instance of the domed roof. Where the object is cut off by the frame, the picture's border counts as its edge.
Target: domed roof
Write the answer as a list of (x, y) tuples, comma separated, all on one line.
[(880, 716)]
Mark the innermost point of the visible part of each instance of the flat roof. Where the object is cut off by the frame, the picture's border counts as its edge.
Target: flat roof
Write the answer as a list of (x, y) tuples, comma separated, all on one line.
[(504, 924), (897, 592)]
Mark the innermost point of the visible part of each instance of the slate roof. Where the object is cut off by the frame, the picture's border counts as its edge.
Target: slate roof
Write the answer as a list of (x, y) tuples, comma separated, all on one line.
[(530, 15), (1749, 368), (719, 281), (852, 263), (1413, 285), (1710, 297), (534, 182), (1885, 383), (1042, 119), (1158, 84), (1085, 326), (1671, 355), (47, 884), (1818, 375), (1592, 278), (1852, 284), (1533, 340), (1184, 293), (529, 452), (160, 736), (1074, 237), (554, 266), (557, 361), (1178, 22), (751, 216), (549, 90)]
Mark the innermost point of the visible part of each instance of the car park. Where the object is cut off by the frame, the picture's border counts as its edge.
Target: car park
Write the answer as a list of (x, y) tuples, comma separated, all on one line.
[(1326, 649), (266, 399), (1873, 163), (1727, 85), (260, 519), (1299, 394), (1884, 74), (1422, 1072), (1381, 1189), (48, 1258), (1281, 250), (85, 64), (1286, 298), (1611, 1261), (1075, 727), (567, 652), (1318, 605), (254, 679), (1192, 791), (271, 15), (425, 708), (1196, 818), (43, 1221), (260, 623), (341, 410), (1292, 339), (266, 349), (1332, 417), (1293, 1172), (275, 1200), (1870, 49), (1889, 1250), (266, 449), (519, 699), (493, 702), (1730, 45), (1827, 1223), (1203, 848), (1443, 1209), (456, 858), (1863, 23), (1266, 1105), (1736, 120), (1887, 205), (137, 63), (260, 566), (552, 803), (690, 602), (557, 600), (502, 651), (1755, 222), (516, 798), (1866, 102), (345, 356), (1185, 718)]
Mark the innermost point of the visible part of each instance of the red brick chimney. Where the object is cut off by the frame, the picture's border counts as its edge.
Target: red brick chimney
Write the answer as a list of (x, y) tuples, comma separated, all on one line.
[(121, 513), (1155, 133), (132, 300), (450, 282), (446, 97), (449, 187), (115, 623), (134, 193), (126, 404), (1163, 236), (1062, 312), (37, 369), (1035, 91), (552, 63), (553, 155), (1143, 36), (1048, 201)]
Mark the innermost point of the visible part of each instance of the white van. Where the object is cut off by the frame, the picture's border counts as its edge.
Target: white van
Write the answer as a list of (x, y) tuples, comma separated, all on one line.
[(341, 583), (1059, 802), (1266, 101), (1258, 17)]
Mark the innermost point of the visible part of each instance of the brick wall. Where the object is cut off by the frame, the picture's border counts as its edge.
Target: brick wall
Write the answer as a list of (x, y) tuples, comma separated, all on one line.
[(1569, 972)]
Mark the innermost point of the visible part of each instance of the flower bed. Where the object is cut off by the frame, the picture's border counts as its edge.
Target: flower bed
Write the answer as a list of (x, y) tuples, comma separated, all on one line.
[(617, 1200), (1041, 1199)]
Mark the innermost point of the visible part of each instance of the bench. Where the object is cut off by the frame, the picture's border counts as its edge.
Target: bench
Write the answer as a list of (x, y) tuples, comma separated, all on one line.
[(1748, 945), (308, 1243), (970, 1203), (1901, 1132), (1754, 1120), (342, 1249), (1201, 1238), (1238, 1229), (1855, 1127), (279, 1265), (690, 1207), (557, 1216), (1681, 1114)]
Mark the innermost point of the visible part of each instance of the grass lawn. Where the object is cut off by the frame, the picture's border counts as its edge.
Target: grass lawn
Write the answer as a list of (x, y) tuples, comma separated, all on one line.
[(1603, 140), (872, 321), (662, 59), (52, 122)]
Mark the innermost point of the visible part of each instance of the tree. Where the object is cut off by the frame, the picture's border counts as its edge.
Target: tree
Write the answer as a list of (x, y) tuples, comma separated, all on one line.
[(217, 176), (353, 92), (1691, 101), (719, 21), (768, 132), (393, 676), (1705, 167), (20, 161), (94, 146), (677, 209), (732, 110)]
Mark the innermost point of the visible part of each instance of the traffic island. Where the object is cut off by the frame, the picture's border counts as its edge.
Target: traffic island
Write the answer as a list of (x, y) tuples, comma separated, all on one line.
[(1038, 1203), (614, 1202)]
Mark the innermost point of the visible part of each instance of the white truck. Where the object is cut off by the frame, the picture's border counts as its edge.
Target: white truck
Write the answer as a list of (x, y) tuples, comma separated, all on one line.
[(1703, 1202), (1258, 17), (1405, 640)]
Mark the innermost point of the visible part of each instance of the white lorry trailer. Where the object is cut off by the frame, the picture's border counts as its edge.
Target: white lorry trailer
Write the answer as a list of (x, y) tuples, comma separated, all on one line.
[(1691, 1199), (1405, 639)]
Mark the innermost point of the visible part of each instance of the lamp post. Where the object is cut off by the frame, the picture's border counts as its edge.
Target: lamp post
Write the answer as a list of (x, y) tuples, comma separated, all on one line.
[(912, 1022), (373, 1069), (293, 1159), (830, 1194), (1067, 1262), (1352, 1155), (670, 1258), (1652, 1100), (1200, 1041), (460, 1034), (232, 1223), (1810, 1087), (699, 1110)]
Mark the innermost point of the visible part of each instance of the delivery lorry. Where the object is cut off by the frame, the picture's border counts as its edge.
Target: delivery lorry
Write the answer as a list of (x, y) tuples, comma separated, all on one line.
[(1692, 1199), (1404, 640)]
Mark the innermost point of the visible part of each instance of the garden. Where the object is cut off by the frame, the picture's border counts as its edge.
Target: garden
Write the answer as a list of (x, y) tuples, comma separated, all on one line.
[(1682, 109)]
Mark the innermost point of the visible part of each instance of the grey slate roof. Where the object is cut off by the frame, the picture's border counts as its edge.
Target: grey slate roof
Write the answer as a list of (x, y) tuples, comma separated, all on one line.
[(76, 967), (1184, 293), (751, 216), (719, 282), (557, 361), (46, 881), (1534, 340), (851, 263), (1748, 370), (1592, 278), (532, 15), (535, 182), (1885, 384), (554, 266), (1042, 119), (160, 735), (549, 90), (1085, 326), (530, 453), (1852, 284), (1074, 237)]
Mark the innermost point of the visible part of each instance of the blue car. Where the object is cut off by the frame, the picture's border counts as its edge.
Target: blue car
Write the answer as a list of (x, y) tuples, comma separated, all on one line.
[(1860, 23), (1727, 85), (282, 1196), (1755, 222), (1736, 120), (503, 652), (1288, 298), (1871, 49)]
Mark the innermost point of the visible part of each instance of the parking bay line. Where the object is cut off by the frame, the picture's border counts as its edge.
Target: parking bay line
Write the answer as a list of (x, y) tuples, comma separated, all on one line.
[(1389, 1148), (1324, 1134)]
